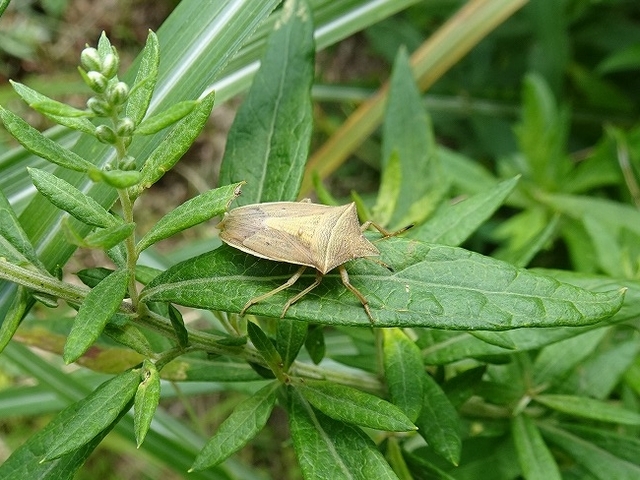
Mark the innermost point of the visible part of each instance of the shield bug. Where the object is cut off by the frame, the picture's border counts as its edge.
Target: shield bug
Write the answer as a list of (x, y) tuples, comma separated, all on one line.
[(301, 233)]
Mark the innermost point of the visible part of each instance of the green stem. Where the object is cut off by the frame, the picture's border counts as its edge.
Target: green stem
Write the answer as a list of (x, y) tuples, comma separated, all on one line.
[(130, 245)]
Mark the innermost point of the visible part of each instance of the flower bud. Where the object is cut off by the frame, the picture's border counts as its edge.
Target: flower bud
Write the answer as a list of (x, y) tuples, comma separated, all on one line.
[(125, 127), (99, 106), (90, 59), (96, 81), (117, 93), (128, 163), (110, 65), (106, 134)]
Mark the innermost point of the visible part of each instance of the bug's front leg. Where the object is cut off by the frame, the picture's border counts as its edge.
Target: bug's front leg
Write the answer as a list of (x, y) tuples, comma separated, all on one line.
[(365, 303), (294, 278), (302, 293)]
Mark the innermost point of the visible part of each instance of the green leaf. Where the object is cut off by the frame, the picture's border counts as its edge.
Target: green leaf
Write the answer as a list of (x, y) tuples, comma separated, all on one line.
[(175, 144), (327, 449), (92, 276), (60, 113), (621, 59), (247, 419), (290, 336), (11, 230), (39, 145), (192, 212), (407, 133), (354, 406), (438, 422), (390, 185), (585, 407), (269, 141), (92, 415), (162, 120), (314, 343), (98, 307), (129, 336), (178, 326), (116, 178), (452, 224), (535, 459), (13, 318), (68, 198), (146, 401), (265, 347), (198, 370), (145, 81), (107, 238), (598, 462), (403, 370), (25, 462), (432, 285)]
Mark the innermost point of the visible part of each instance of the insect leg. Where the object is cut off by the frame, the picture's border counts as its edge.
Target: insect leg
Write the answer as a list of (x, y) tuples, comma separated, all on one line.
[(302, 293), (294, 278), (385, 233), (345, 280)]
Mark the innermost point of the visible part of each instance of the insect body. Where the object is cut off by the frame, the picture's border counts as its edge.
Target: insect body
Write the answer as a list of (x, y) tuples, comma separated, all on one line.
[(302, 233)]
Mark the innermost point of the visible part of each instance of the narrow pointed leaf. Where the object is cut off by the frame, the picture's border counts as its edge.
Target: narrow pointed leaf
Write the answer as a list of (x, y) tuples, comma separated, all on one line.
[(93, 414), (40, 145), (177, 323), (192, 212), (245, 422), (164, 119), (354, 406), (432, 286), (403, 370), (535, 459), (438, 422), (15, 314), (11, 230), (146, 401), (327, 449), (107, 238), (94, 313), (266, 348), (290, 336), (68, 198), (145, 81), (175, 144), (269, 141), (589, 408)]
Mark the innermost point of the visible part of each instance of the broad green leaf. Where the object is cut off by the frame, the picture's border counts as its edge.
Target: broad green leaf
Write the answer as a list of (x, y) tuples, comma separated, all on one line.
[(290, 336), (438, 422), (162, 120), (145, 81), (178, 326), (407, 134), (93, 414), (26, 461), (60, 113), (452, 224), (107, 238), (534, 456), (403, 371), (175, 144), (68, 198), (40, 145), (14, 316), (266, 348), (331, 450), (354, 406), (196, 210), (269, 141), (98, 307), (432, 285), (146, 400), (11, 230), (245, 422), (598, 462), (591, 408)]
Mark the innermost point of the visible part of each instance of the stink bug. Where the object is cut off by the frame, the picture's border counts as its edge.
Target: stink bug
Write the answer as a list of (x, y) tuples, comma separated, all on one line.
[(302, 233)]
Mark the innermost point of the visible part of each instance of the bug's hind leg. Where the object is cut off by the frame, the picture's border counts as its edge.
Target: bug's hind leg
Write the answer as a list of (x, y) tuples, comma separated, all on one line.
[(294, 278), (365, 303), (302, 293)]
